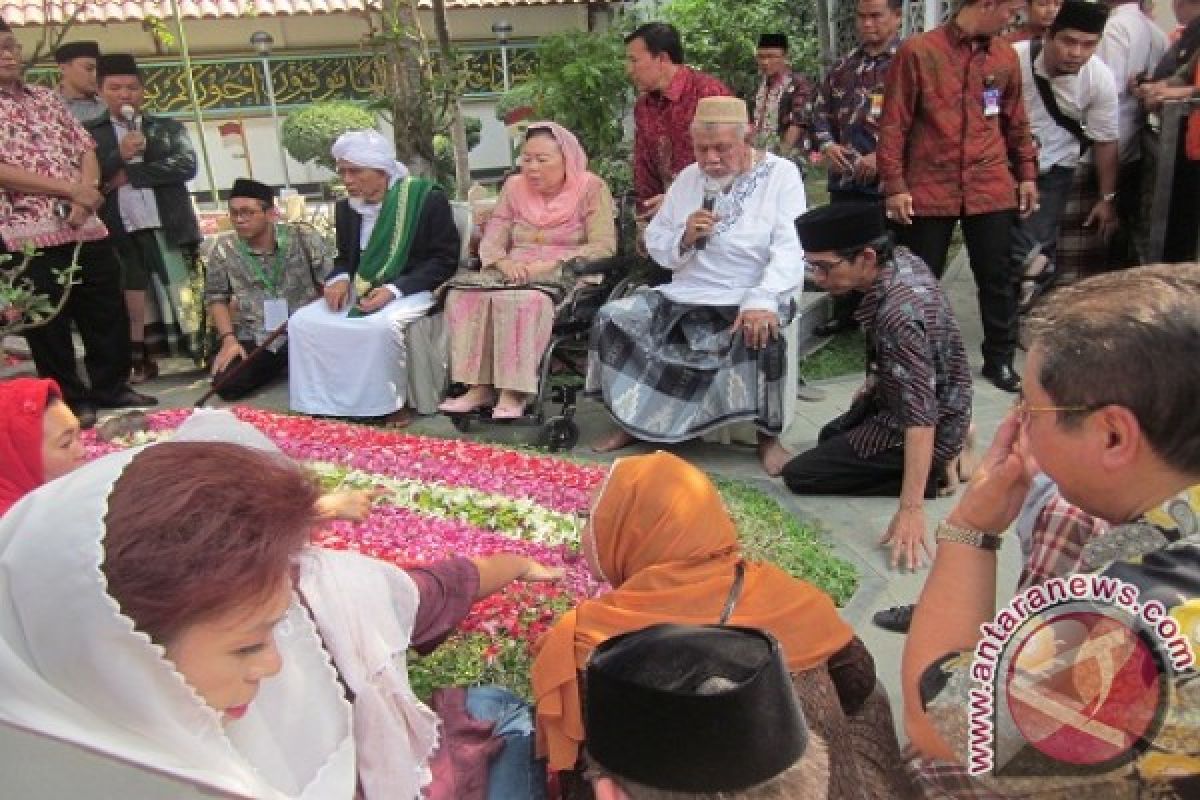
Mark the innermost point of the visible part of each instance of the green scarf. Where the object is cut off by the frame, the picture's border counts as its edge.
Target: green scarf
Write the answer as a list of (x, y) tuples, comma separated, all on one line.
[(391, 240)]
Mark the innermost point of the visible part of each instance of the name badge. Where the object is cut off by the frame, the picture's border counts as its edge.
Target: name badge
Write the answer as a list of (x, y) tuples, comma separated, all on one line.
[(991, 102), (876, 104), (275, 313)]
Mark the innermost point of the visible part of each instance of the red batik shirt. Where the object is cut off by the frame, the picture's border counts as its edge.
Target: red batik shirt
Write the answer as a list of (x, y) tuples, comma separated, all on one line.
[(936, 140), (39, 134), (662, 142)]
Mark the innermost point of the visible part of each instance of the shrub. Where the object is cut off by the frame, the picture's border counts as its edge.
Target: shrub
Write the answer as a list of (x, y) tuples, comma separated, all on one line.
[(309, 134)]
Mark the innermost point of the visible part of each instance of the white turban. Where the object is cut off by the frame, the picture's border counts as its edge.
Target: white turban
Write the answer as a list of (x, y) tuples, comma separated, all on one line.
[(369, 149)]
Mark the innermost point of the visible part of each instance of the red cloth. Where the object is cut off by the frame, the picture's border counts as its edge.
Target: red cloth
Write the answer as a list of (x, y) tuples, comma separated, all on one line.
[(662, 141), (935, 141), (22, 404)]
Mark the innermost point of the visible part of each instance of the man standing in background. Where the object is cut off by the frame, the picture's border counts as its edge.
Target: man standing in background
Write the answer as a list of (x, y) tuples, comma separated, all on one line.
[(845, 123), (781, 102), (77, 79)]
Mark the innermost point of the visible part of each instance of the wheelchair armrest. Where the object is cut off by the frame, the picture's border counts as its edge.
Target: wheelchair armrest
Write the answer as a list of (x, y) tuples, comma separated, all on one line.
[(597, 266)]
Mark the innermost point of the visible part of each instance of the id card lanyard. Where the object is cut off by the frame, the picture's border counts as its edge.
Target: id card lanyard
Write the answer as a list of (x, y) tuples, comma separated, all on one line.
[(274, 280)]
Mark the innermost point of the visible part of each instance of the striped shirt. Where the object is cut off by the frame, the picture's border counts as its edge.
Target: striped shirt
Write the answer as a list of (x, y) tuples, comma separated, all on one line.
[(917, 373)]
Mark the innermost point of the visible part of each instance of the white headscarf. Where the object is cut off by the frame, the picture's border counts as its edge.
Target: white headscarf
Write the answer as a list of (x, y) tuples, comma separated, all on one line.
[(371, 149), (72, 666), (365, 610)]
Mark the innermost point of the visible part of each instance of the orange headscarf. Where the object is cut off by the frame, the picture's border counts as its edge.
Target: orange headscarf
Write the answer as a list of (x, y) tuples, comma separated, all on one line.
[(669, 548)]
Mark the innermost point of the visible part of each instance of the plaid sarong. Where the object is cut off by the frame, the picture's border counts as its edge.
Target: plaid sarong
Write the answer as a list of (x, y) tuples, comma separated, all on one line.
[(669, 371), (1081, 251)]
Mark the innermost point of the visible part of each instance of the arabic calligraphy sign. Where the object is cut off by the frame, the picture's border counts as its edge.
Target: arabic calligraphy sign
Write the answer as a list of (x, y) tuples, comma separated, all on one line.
[(238, 84)]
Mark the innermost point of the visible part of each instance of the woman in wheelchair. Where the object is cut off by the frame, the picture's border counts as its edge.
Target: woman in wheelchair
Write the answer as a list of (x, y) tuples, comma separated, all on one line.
[(500, 318)]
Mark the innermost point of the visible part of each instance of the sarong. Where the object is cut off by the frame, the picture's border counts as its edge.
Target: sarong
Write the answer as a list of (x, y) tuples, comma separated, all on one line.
[(344, 367), (669, 371)]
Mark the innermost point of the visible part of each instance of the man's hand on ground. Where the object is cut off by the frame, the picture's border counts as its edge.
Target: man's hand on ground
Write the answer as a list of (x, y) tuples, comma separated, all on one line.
[(906, 536), (231, 348)]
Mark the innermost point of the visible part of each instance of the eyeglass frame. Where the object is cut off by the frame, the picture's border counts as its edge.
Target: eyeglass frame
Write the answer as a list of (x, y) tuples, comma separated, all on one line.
[(824, 269), (1023, 410), (245, 213)]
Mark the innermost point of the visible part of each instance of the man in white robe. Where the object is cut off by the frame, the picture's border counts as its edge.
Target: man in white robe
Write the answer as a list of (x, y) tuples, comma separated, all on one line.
[(396, 243), (706, 349)]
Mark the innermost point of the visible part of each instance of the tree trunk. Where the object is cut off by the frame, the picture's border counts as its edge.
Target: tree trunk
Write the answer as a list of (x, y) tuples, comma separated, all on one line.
[(458, 129), (412, 118)]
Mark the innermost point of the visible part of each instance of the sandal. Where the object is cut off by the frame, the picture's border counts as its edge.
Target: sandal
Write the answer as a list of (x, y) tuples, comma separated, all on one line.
[(1037, 276), (464, 404)]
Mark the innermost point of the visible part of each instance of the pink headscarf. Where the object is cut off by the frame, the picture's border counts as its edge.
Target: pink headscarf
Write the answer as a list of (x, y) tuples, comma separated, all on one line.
[(22, 405), (534, 208)]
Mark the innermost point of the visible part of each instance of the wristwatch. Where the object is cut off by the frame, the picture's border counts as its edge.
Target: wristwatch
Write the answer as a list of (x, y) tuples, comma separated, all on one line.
[(1108, 198), (947, 532)]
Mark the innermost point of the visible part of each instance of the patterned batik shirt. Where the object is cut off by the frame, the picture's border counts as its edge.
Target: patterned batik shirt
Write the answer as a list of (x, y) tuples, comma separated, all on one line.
[(38, 134), (779, 106), (917, 374), (848, 105), (953, 121), (232, 275), (662, 140), (1159, 553)]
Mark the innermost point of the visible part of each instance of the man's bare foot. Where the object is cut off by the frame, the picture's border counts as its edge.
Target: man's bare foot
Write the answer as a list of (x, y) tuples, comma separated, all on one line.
[(400, 418), (773, 456), (475, 398), (615, 440)]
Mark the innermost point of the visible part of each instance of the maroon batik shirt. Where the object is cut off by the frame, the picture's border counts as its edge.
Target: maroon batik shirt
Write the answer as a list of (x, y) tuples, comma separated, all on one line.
[(940, 139), (662, 142)]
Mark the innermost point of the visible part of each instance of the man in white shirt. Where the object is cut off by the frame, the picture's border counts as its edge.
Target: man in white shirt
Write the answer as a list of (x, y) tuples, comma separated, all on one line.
[(1071, 100), (1132, 46), (705, 350)]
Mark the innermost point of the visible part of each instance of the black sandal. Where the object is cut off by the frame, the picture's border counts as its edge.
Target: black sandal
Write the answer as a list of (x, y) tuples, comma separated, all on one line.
[(1031, 287)]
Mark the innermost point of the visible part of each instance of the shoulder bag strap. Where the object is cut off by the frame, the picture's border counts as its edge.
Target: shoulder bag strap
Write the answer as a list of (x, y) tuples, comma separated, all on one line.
[(1071, 126)]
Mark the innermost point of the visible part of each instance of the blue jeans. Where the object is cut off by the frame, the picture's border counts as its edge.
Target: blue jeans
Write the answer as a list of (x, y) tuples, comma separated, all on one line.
[(1041, 227), (514, 774)]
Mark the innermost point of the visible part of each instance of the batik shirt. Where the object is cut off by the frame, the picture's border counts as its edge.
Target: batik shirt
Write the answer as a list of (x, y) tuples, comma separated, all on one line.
[(779, 106), (917, 374), (662, 141), (847, 108), (232, 275), (38, 133), (953, 121), (1159, 553)]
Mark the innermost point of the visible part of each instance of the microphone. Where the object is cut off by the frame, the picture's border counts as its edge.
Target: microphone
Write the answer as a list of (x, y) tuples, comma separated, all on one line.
[(711, 190), (129, 114)]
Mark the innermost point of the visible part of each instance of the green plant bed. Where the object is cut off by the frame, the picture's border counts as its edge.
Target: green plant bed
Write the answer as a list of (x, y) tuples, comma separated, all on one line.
[(843, 354)]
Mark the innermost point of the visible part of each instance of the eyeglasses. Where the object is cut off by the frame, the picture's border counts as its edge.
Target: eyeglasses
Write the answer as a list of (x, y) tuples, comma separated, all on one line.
[(817, 268), (245, 213), (1023, 410)]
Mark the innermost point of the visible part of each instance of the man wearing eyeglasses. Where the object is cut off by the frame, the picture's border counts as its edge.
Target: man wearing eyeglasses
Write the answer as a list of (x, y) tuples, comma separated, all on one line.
[(49, 177), (1109, 414), (271, 269), (908, 424)]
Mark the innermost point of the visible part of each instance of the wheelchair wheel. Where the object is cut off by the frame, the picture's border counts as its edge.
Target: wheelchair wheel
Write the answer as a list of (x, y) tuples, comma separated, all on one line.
[(559, 433), (461, 422)]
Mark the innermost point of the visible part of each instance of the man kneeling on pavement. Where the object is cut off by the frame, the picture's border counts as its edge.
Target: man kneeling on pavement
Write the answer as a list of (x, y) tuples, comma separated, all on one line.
[(908, 425), (272, 269)]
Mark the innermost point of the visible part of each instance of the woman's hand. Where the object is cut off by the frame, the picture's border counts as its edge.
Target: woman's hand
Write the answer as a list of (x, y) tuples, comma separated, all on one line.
[(353, 505), (540, 573), (512, 271)]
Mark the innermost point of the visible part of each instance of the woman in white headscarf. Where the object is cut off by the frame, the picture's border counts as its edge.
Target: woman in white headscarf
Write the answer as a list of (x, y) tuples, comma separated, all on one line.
[(151, 629), (396, 243)]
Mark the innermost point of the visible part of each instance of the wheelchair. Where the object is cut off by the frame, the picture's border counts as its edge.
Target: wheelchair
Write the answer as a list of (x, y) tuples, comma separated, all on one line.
[(563, 365)]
